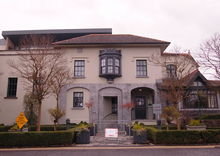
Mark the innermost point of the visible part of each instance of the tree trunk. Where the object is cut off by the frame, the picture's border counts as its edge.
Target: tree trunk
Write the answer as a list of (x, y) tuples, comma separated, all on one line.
[(58, 120), (39, 117), (178, 124)]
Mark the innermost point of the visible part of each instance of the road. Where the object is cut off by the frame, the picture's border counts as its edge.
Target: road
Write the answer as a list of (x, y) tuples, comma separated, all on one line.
[(114, 151)]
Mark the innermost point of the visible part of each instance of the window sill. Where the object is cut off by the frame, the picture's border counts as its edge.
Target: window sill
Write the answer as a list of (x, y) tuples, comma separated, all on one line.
[(79, 77), (10, 97), (142, 76), (77, 108)]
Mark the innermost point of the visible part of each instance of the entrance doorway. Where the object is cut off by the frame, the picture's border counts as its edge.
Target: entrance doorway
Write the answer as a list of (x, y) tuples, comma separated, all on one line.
[(110, 111), (140, 108)]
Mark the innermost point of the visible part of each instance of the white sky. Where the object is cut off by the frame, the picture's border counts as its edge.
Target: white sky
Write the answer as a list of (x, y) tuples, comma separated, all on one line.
[(185, 23), (182, 22)]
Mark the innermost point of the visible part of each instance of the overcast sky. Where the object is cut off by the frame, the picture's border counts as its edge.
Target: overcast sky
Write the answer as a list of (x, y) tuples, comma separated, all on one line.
[(182, 22)]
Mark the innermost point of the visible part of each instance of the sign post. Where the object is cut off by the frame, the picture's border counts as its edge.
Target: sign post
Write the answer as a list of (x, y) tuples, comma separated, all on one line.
[(157, 109), (21, 120)]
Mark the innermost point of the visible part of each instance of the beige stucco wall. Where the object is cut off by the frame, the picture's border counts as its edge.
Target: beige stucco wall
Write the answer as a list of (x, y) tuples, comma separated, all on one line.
[(11, 108), (128, 64), (77, 114)]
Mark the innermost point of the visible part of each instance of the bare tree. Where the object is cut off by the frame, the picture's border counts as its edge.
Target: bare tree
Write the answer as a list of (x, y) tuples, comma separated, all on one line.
[(208, 55), (37, 65), (176, 65), (63, 76)]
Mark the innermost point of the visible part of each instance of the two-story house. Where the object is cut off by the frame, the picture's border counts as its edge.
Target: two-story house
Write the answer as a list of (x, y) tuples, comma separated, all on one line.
[(111, 69)]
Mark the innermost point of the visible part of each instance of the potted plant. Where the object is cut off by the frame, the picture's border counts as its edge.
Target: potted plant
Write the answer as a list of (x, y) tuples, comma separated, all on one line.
[(82, 134), (195, 125), (127, 130), (139, 133)]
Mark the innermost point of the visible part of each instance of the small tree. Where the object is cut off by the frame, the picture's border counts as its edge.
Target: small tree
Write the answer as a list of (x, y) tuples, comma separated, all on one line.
[(37, 65), (170, 113), (30, 104), (89, 105), (55, 114)]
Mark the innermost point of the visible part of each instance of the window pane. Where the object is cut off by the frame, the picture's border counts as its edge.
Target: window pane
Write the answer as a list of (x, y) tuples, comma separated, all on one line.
[(110, 61), (78, 99), (141, 67), (79, 69), (110, 69), (12, 87)]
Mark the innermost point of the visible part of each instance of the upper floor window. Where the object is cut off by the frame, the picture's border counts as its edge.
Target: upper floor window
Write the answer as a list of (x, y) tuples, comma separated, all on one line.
[(171, 70), (79, 68), (12, 87), (110, 64), (103, 69), (78, 99), (141, 67)]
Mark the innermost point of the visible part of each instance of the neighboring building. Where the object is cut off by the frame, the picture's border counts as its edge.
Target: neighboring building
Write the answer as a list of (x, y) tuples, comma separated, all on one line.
[(111, 69)]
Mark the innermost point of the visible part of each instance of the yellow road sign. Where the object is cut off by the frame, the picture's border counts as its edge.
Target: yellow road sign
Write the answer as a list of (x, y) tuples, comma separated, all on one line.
[(21, 120)]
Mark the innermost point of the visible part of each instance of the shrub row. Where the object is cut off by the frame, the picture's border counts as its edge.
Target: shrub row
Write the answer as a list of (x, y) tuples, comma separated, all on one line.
[(43, 138), (209, 116), (49, 127), (183, 136), (4, 128)]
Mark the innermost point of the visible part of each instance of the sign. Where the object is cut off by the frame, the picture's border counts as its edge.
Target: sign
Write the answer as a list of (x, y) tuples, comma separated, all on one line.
[(21, 120), (157, 109), (111, 132)]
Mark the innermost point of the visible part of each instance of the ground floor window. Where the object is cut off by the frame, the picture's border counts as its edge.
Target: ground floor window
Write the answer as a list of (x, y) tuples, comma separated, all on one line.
[(78, 99), (200, 99), (114, 105)]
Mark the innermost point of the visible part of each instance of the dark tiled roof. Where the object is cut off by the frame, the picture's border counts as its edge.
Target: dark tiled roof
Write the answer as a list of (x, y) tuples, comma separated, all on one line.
[(110, 39)]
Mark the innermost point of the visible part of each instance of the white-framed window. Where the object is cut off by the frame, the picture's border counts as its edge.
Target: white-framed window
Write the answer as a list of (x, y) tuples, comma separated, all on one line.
[(141, 66), (79, 68)]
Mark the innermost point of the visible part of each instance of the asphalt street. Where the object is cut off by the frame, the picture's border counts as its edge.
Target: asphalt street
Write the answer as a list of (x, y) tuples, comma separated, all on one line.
[(114, 151)]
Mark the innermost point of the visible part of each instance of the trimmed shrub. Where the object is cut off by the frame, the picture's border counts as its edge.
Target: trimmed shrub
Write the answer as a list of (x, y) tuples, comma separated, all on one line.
[(49, 127), (183, 136), (17, 139), (4, 128), (209, 116)]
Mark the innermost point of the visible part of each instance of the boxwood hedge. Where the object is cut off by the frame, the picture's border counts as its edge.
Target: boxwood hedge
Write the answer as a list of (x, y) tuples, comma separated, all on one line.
[(42, 138), (182, 136)]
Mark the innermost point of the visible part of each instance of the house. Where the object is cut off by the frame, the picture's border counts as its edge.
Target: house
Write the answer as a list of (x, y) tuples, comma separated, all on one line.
[(111, 69)]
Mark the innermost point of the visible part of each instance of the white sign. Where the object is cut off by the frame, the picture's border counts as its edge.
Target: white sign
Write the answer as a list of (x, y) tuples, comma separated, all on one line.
[(157, 109), (111, 132)]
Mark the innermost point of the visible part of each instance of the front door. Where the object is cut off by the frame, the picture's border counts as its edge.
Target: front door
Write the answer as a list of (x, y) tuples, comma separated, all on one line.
[(140, 108)]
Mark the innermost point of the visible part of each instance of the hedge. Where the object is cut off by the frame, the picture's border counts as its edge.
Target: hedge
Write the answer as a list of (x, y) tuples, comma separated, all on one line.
[(49, 127), (182, 136), (209, 116), (42, 138), (4, 128)]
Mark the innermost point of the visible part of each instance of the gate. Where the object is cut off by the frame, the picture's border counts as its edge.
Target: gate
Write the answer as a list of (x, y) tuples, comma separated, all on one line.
[(103, 126)]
